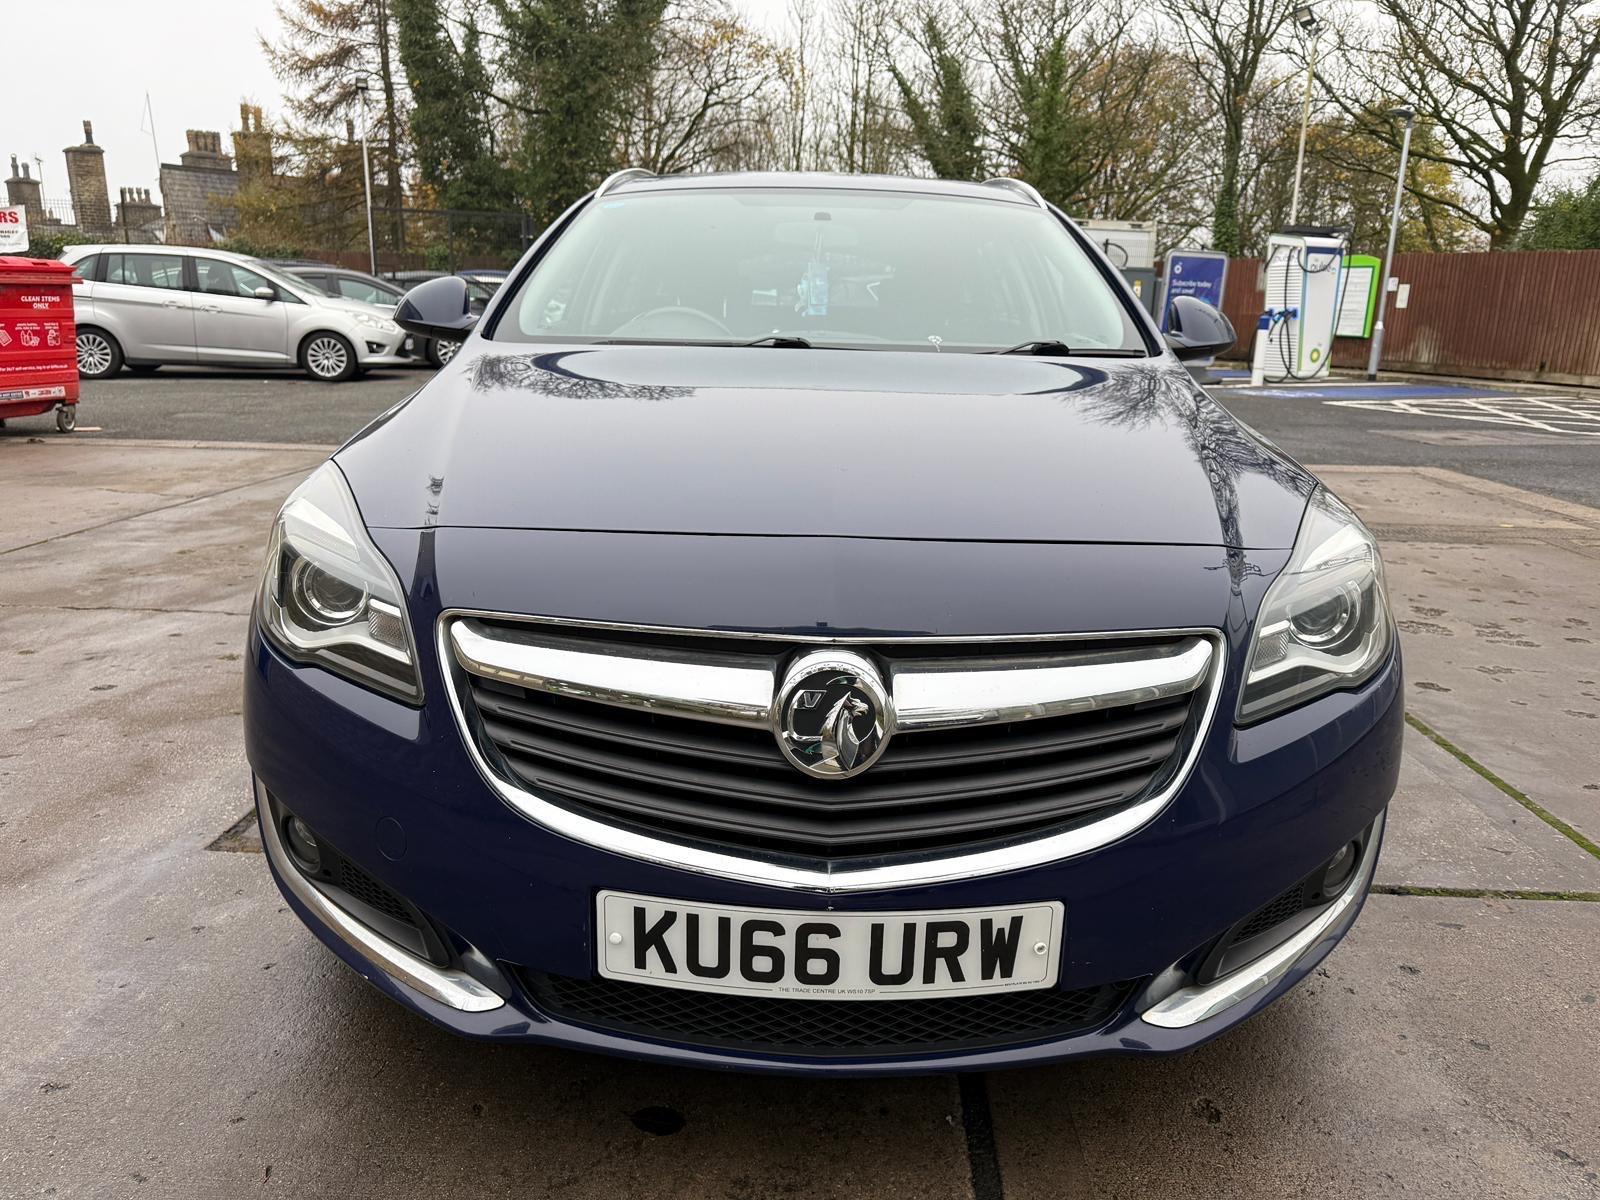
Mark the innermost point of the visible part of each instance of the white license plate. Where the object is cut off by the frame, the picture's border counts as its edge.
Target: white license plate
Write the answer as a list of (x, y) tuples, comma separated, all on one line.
[(828, 955)]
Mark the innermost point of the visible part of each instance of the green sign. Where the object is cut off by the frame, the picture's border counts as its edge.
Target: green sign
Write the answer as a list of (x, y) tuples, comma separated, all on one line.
[(1358, 297)]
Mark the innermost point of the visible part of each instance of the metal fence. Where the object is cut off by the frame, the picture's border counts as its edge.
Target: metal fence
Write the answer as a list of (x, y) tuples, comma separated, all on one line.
[(59, 209), (1530, 315), (438, 239)]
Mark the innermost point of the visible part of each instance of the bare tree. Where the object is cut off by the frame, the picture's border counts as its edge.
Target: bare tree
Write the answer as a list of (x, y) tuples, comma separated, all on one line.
[(1142, 130), (1507, 86), (711, 83), (793, 132), (862, 127), (1227, 44)]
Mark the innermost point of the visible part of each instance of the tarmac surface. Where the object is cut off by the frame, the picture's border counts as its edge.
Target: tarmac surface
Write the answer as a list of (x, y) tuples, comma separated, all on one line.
[(171, 1030)]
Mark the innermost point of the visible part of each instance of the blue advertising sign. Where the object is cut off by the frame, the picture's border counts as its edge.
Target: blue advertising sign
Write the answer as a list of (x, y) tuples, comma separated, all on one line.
[(1198, 273)]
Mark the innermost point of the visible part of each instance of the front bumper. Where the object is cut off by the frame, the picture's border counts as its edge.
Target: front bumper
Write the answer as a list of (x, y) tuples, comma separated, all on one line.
[(394, 789), (374, 348)]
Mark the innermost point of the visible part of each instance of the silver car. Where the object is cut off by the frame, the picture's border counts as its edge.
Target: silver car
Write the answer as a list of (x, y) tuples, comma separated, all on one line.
[(144, 306)]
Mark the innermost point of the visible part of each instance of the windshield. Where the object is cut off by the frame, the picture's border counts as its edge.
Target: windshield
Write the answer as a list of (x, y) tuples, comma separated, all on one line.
[(859, 269)]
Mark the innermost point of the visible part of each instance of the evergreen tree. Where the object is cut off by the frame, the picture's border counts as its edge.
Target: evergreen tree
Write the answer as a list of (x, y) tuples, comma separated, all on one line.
[(1567, 219), (452, 109), (946, 124), (573, 66)]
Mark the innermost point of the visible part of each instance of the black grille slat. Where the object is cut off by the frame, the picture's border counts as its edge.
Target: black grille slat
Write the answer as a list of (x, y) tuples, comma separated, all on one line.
[(924, 751), (824, 795), (833, 830), (717, 743), (730, 785), (745, 746), (777, 1025)]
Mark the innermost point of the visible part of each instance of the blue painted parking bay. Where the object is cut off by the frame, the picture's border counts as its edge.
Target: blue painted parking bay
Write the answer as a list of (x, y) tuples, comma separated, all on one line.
[(1333, 389)]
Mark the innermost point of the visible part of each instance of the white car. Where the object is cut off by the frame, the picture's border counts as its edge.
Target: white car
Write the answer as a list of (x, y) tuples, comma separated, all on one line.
[(145, 306)]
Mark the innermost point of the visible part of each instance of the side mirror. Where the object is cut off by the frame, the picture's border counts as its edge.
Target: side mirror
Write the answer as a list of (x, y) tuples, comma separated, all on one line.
[(440, 309), (266, 293), (1198, 329)]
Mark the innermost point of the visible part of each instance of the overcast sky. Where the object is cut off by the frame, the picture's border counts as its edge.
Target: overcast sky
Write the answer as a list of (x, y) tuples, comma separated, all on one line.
[(96, 59)]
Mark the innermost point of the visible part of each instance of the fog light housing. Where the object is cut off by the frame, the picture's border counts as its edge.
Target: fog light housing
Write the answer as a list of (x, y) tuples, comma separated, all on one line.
[(302, 844), (1340, 867)]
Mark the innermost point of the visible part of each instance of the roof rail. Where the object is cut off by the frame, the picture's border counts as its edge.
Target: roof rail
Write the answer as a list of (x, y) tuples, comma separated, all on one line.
[(611, 181), (1016, 185)]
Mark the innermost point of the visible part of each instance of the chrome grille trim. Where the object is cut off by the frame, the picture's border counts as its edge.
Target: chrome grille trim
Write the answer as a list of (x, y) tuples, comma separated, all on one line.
[(926, 695), (627, 676), (951, 695), (790, 872)]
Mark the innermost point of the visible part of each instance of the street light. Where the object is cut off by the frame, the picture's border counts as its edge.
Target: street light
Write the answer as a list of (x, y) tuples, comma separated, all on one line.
[(1410, 118), (1310, 28), (366, 175)]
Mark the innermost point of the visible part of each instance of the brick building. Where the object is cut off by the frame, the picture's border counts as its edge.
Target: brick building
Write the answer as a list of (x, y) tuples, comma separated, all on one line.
[(196, 192)]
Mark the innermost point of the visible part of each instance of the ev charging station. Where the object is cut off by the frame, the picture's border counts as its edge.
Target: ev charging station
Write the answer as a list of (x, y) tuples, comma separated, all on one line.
[(1304, 277)]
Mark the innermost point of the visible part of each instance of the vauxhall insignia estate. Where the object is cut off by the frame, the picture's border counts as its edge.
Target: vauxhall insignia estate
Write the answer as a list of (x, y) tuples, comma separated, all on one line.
[(817, 624)]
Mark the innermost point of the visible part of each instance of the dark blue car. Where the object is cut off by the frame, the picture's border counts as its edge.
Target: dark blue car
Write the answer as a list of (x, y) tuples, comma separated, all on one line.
[(816, 624)]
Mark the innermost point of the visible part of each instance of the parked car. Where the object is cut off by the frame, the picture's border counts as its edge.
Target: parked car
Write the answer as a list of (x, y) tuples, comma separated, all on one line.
[(367, 289), (347, 283), (145, 306), (817, 625)]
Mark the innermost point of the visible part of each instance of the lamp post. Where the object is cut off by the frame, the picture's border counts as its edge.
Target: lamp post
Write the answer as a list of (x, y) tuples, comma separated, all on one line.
[(1410, 118), (366, 176), (1311, 29)]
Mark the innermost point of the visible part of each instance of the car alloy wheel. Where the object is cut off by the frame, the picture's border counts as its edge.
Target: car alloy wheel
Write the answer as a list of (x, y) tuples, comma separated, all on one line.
[(327, 357), (445, 351), (94, 354)]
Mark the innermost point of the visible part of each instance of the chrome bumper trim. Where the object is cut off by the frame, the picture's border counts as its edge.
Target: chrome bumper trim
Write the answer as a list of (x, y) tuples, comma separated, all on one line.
[(456, 989), (934, 867), (1191, 1005)]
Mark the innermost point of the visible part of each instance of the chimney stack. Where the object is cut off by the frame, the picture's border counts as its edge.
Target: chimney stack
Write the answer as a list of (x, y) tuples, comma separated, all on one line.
[(86, 179)]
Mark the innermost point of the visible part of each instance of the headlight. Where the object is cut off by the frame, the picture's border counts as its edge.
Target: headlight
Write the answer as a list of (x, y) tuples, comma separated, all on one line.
[(373, 321), (1324, 624), (329, 598)]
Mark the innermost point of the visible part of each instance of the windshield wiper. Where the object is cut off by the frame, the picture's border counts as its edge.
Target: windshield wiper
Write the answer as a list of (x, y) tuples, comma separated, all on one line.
[(780, 341), (1037, 346), (1058, 349)]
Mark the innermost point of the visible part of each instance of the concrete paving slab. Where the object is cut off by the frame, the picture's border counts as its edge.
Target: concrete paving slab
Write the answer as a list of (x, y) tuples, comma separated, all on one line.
[(1401, 497), (1502, 650), (1446, 1049), (203, 555), (211, 1048), (1451, 828), (63, 485), (1499, 622)]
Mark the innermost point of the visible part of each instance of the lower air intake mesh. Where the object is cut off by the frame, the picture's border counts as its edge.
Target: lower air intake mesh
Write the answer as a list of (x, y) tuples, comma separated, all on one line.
[(771, 1025)]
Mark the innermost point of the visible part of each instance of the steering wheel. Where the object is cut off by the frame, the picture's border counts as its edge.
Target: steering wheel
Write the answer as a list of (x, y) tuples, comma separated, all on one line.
[(672, 320)]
